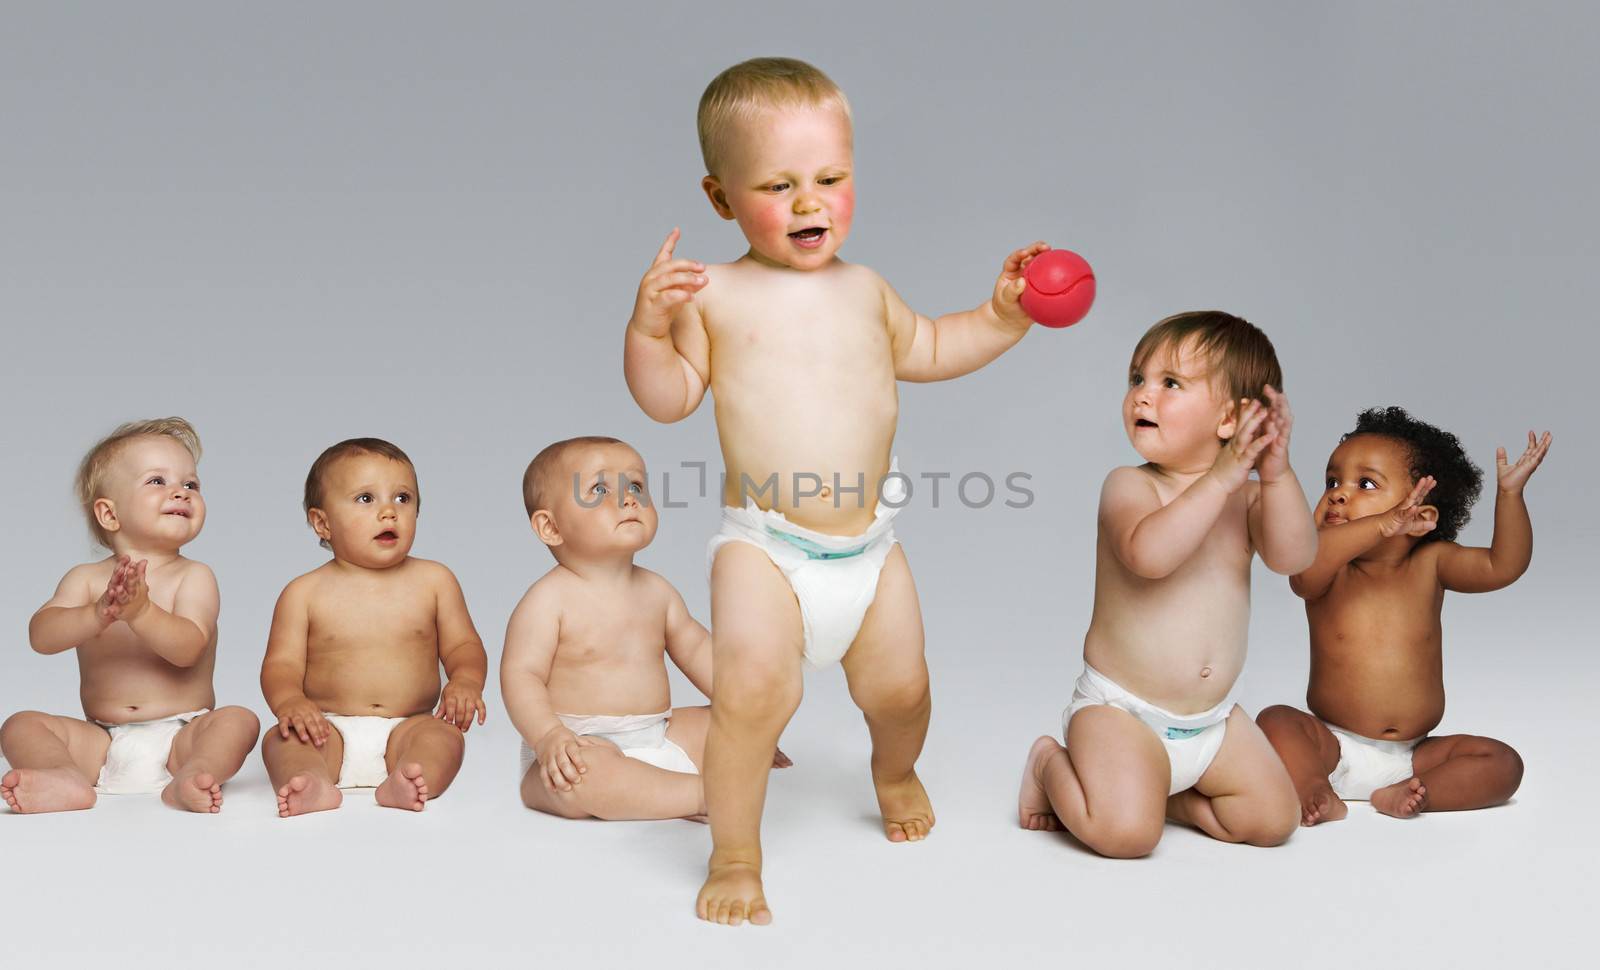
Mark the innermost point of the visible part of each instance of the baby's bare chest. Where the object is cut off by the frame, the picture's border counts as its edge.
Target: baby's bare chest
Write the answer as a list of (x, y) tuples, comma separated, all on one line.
[(619, 636), (345, 621), (782, 329)]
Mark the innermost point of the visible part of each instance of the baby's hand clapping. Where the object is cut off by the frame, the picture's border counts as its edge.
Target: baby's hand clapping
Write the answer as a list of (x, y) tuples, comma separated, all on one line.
[(108, 608), (457, 702), (668, 284), (134, 596), (1513, 477), (561, 758), (300, 717), (1406, 518), (1251, 437), (1274, 462), (1008, 288)]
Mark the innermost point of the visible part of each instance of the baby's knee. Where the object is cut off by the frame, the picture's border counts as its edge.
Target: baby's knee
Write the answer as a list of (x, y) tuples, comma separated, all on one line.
[(896, 700), (757, 689), (1275, 825), (1123, 836), (21, 721), (1505, 766), (1280, 717), (240, 717)]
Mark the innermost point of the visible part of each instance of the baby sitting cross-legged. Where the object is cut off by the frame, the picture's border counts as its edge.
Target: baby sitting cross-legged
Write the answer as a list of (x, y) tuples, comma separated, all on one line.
[(1397, 491), (352, 663), (143, 623), (590, 636)]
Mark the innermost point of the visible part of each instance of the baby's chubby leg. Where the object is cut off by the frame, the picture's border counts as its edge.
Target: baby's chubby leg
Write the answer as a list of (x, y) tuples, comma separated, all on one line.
[(1311, 753), (757, 641), (615, 787), (205, 754), (888, 677), (1109, 789), (305, 776), (423, 757), (1458, 772), (55, 762), (1246, 795)]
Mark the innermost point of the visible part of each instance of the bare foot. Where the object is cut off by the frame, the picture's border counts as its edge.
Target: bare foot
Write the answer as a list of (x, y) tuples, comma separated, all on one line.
[(46, 790), (307, 793), (1402, 799), (194, 792), (404, 788), (1034, 811), (1320, 804), (732, 894), (907, 813)]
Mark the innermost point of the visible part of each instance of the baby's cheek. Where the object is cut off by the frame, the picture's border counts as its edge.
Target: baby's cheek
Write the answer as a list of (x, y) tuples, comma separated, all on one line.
[(771, 220), (843, 209)]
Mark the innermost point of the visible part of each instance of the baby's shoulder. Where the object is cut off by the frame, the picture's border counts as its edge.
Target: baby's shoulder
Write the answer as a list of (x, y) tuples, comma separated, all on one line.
[(656, 586), (80, 582), (1128, 480)]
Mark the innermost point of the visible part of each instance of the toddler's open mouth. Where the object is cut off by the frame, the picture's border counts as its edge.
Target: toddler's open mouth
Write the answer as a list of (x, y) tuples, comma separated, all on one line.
[(809, 238), (185, 513), (1145, 423), (386, 537)]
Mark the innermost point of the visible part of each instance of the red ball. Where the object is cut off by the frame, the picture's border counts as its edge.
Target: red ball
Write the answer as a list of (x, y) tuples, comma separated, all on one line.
[(1060, 288)]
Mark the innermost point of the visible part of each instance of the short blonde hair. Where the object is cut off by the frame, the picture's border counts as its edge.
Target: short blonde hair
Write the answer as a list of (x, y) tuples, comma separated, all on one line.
[(738, 94), (537, 487), (89, 485)]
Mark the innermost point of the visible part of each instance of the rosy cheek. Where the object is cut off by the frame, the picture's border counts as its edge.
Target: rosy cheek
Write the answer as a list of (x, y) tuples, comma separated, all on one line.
[(842, 207), (771, 219)]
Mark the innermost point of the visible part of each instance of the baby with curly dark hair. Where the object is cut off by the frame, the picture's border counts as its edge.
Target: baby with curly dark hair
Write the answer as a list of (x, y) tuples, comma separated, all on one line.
[(1397, 492)]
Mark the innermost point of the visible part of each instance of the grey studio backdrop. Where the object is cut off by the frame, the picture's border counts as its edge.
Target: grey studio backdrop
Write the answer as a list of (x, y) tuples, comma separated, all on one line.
[(306, 222)]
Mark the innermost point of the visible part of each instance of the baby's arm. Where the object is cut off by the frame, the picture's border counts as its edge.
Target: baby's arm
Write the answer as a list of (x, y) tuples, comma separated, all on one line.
[(688, 643), (1338, 544), (666, 358), (181, 636), (70, 617), (530, 652), (1281, 528), (466, 665), (283, 670), (1478, 570), (960, 343), (1152, 539)]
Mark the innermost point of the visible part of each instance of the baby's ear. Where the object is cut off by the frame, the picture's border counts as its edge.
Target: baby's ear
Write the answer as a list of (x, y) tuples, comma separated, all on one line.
[(105, 513), (1428, 513), (318, 520), (544, 526), (1230, 421), (717, 195)]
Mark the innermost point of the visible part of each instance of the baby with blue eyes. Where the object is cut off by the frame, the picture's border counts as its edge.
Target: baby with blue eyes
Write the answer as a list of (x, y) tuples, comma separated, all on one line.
[(583, 673)]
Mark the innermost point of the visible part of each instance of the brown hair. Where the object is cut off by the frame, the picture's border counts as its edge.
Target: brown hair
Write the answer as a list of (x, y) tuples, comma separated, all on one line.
[(344, 449), (1241, 357), (89, 484), (737, 94), (536, 484)]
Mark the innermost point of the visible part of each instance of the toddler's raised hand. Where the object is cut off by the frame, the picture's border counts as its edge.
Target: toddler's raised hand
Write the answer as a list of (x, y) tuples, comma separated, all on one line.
[(1008, 288), (667, 284), (301, 718), (1407, 516), (1513, 477), (1251, 437), (456, 704), (1274, 463), (561, 758)]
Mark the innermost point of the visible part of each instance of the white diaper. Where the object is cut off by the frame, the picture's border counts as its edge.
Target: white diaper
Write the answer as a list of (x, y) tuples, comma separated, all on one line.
[(1367, 764), (136, 762), (1191, 740), (835, 578), (366, 741), (642, 737)]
